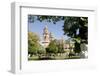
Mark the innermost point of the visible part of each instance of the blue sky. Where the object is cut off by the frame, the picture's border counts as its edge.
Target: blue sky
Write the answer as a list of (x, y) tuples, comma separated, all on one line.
[(55, 29)]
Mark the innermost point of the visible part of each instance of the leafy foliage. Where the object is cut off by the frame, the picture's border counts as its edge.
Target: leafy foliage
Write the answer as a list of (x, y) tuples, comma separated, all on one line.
[(77, 48), (33, 43), (76, 27), (52, 48), (53, 19), (41, 50), (60, 46)]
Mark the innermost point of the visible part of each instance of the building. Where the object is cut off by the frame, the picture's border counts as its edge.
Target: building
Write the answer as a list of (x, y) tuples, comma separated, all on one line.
[(47, 37)]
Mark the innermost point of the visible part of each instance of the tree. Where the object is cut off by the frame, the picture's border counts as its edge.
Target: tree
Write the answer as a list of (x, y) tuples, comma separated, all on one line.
[(60, 46), (53, 19), (52, 48), (76, 28), (33, 43), (41, 50), (77, 48)]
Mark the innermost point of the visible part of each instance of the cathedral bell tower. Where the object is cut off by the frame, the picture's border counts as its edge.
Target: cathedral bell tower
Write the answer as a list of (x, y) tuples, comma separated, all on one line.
[(46, 37)]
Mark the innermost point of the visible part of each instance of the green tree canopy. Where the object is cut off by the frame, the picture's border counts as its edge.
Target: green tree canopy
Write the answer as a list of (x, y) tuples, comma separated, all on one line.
[(41, 50), (52, 48), (76, 28), (33, 43)]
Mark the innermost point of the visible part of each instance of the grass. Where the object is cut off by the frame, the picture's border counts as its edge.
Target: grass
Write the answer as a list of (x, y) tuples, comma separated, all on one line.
[(74, 57), (53, 58), (33, 58)]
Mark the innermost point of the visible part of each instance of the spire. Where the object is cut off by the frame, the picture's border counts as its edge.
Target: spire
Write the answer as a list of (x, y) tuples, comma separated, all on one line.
[(45, 30)]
